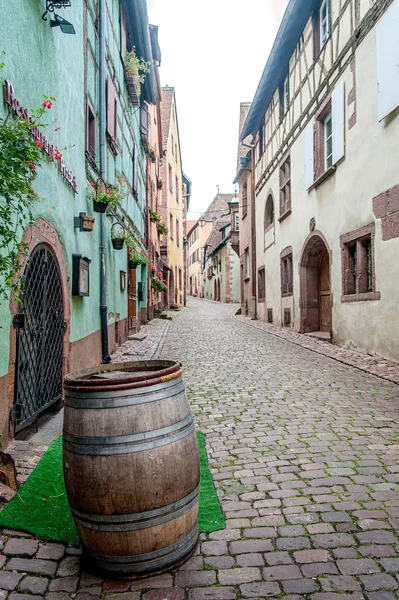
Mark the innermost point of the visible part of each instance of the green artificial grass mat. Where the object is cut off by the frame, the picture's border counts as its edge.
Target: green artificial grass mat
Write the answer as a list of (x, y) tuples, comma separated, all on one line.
[(41, 508)]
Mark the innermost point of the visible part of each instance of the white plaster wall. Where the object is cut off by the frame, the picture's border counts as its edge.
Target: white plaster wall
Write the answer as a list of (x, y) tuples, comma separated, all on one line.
[(340, 205)]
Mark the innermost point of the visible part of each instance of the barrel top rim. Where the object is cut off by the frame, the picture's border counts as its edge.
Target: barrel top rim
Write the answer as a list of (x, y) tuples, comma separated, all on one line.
[(148, 370)]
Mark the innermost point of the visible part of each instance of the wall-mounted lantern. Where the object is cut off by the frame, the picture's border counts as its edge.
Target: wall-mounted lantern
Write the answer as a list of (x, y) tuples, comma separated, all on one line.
[(63, 24), (83, 222), (80, 275)]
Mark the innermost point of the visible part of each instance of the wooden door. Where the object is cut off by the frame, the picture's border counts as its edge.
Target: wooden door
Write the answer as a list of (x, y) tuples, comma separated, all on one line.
[(324, 292), (132, 302)]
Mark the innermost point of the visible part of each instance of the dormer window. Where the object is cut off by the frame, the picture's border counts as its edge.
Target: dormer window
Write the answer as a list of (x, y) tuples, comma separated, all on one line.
[(324, 23)]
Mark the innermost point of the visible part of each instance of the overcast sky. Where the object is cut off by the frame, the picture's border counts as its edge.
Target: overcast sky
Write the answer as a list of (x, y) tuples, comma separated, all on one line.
[(213, 53)]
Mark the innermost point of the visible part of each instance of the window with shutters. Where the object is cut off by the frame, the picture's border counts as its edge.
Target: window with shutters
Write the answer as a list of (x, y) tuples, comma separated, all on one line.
[(285, 188), (261, 285), (321, 26), (325, 141), (246, 263), (286, 272), (244, 199), (91, 127), (358, 265), (135, 178), (180, 279), (112, 111)]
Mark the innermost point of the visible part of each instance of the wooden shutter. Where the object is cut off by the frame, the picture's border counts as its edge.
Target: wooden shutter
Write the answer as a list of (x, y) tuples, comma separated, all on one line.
[(387, 41), (338, 121), (111, 107), (309, 156), (135, 169)]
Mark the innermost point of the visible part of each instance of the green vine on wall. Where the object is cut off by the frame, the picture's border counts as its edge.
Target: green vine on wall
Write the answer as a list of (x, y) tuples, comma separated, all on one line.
[(20, 156)]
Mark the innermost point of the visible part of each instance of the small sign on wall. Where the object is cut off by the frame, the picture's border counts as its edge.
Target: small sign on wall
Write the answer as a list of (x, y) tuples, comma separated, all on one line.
[(80, 275)]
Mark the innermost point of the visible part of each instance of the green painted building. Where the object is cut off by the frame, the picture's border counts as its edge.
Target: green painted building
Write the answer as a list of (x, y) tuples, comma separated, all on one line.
[(80, 297)]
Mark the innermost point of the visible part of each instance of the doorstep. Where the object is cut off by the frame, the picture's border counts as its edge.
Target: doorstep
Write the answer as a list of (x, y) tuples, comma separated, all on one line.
[(323, 336)]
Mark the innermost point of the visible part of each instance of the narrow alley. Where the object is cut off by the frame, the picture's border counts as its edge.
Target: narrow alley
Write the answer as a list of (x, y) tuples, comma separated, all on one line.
[(304, 453)]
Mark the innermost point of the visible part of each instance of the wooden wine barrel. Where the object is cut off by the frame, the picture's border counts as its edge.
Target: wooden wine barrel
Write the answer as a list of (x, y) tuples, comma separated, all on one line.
[(131, 466)]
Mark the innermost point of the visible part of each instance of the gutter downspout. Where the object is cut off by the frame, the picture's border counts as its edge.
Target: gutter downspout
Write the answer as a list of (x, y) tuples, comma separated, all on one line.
[(103, 173), (253, 239)]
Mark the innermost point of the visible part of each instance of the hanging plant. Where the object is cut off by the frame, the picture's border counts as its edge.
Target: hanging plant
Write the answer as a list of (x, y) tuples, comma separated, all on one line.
[(155, 217), (104, 194), (136, 254), (152, 155), (162, 229), (117, 236), (159, 285)]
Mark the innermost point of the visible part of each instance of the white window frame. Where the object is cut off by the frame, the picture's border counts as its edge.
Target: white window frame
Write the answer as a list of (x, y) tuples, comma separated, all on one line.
[(328, 158), (286, 94), (324, 23)]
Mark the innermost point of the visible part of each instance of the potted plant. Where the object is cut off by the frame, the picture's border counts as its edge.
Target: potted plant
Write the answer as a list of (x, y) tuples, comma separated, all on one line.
[(159, 285), (136, 255), (162, 229), (155, 217), (136, 71), (117, 236), (159, 183), (152, 155), (104, 194)]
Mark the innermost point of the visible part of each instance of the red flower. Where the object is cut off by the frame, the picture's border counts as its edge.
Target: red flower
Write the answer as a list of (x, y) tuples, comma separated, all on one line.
[(93, 185), (32, 166), (57, 128), (57, 154), (39, 144), (44, 104), (47, 104)]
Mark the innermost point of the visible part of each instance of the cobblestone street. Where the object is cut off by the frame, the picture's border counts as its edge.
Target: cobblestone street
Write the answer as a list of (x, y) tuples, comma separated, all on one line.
[(304, 451)]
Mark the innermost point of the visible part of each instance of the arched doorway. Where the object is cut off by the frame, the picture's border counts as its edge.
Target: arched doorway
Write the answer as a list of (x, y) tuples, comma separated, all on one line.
[(315, 285), (40, 327)]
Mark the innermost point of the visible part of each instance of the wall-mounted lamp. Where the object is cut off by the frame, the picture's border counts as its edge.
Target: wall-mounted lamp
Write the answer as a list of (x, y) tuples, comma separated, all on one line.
[(83, 222), (52, 4), (63, 24), (185, 240)]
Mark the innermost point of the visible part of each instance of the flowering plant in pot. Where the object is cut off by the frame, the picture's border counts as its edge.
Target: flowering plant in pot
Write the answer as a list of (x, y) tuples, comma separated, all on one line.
[(117, 236), (152, 154), (155, 217), (136, 255), (153, 270), (159, 183), (159, 285), (104, 194), (162, 228)]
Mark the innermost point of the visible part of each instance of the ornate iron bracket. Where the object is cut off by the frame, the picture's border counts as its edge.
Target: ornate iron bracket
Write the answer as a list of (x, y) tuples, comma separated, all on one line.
[(53, 4)]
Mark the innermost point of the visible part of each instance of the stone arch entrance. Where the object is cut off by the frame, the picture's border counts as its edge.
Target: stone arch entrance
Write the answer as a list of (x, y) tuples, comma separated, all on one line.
[(45, 307), (315, 284)]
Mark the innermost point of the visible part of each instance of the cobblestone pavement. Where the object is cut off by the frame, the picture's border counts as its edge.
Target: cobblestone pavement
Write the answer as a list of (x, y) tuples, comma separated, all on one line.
[(305, 455)]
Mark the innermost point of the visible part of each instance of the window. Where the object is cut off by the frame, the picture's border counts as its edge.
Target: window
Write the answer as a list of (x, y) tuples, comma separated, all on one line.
[(269, 212), (285, 188), (387, 48), (285, 97), (236, 221), (358, 267), (177, 190), (324, 22), (90, 132), (177, 233), (246, 263), (328, 155), (286, 272), (261, 285), (170, 179), (112, 110), (262, 140), (244, 199), (325, 141), (171, 226), (180, 279)]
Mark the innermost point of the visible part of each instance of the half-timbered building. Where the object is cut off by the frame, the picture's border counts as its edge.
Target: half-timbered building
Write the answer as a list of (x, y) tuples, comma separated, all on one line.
[(325, 124)]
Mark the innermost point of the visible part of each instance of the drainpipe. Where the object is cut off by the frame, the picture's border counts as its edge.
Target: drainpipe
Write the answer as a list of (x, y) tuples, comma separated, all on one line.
[(253, 239), (103, 173)]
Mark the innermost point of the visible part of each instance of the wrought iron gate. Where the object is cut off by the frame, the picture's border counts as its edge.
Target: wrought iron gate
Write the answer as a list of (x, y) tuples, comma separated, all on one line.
[(40, 339)]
